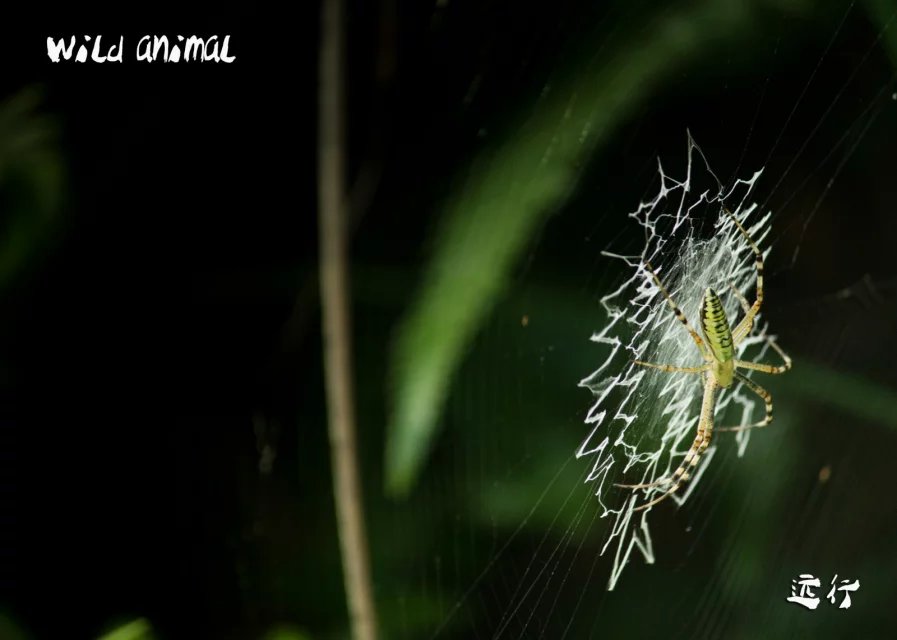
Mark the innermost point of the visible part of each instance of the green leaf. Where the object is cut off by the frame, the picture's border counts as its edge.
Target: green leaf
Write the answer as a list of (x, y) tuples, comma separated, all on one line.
[(31, 181), (138, 629)]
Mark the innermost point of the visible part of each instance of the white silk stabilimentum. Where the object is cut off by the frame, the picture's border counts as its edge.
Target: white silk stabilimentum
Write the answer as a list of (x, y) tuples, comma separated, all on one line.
[(643, 420)]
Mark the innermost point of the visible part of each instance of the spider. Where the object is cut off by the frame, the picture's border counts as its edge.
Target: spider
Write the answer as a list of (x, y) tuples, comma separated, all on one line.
[(720, 367)]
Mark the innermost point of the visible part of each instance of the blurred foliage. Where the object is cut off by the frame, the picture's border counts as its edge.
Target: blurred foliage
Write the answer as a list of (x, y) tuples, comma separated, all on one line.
[(507, 193), (31, 180), (853, 395), (31, 197), (287, 633), (138, 629), (9, 630)]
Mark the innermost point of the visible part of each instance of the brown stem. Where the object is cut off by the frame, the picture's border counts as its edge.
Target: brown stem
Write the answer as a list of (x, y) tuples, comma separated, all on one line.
[(332, 210)]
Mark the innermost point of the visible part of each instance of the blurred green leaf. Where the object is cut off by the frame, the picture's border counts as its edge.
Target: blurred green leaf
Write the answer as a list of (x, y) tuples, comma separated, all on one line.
[(507, 193), (138, 629), (287, 633), (31, 180), (847, 392), (9, 630)]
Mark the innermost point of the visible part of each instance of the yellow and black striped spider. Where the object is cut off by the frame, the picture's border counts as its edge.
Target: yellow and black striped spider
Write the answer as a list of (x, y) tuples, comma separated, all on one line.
[(720, 366)]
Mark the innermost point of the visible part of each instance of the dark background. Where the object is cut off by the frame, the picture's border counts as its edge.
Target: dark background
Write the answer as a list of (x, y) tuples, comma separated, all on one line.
[(165, 324)]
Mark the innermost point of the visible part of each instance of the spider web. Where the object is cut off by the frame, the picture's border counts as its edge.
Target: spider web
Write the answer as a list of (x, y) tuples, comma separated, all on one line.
[(523, 561), (643, 420)]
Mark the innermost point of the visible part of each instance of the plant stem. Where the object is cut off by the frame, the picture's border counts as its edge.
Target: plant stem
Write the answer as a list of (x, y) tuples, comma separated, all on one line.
[(332, 208)]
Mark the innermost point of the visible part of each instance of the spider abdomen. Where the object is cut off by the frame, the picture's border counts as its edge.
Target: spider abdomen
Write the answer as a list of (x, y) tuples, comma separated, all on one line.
[(716, 327)]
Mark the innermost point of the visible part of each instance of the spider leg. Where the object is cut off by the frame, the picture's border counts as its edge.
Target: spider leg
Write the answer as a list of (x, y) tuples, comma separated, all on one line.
[(676, 310), (741, 330), (745, 305), (671, 368), (744, 327), (681, 475), (702, 440), (760, 391), (768, 368), (645, 485)]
